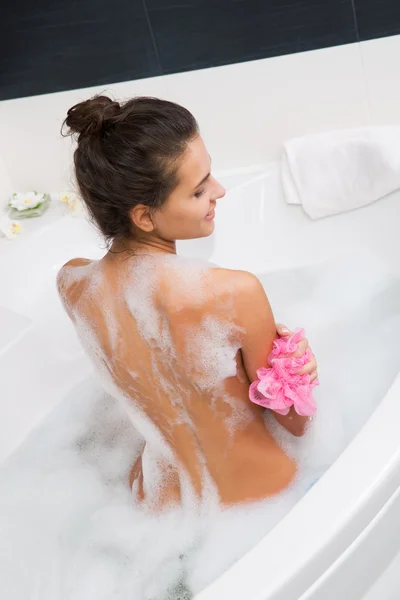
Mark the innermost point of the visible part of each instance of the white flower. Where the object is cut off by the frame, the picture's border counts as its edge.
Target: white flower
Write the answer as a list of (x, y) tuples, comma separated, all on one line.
[(9, 228), (64, 197), (73, 204), (26, 200)]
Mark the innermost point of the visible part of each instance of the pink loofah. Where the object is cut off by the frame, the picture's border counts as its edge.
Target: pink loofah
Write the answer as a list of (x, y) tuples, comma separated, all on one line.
[(280, 387)]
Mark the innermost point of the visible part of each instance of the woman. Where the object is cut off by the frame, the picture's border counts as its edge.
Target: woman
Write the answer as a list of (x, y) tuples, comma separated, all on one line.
[(178, 341)]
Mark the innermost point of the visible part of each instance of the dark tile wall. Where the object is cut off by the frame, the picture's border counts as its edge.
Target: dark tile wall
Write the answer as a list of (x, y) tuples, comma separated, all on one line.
[(377, 18), (54, 45), (192, 34)]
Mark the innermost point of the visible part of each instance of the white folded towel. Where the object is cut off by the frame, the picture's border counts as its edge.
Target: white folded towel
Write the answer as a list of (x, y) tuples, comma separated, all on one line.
[(334, 172)]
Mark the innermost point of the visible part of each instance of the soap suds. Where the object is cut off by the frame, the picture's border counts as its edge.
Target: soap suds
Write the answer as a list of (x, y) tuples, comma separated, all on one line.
[(68, 519)]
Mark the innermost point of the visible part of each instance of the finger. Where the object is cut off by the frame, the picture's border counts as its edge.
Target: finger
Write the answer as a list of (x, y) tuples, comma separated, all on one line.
[(309, 367), (302, 347), (314, 376), (282, 330)]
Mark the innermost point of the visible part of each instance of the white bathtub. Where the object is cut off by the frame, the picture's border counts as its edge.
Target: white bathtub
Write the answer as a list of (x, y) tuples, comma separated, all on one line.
[(341, 536)]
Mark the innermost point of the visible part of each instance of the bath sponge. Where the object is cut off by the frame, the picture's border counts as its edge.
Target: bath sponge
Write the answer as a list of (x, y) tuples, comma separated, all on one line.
[(281, 386)]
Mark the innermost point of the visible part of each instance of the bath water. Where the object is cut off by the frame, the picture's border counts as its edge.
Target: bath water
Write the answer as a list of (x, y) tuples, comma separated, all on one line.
[(69, 527)]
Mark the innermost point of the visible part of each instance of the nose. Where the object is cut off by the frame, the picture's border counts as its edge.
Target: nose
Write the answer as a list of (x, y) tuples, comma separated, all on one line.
[(219, 191)]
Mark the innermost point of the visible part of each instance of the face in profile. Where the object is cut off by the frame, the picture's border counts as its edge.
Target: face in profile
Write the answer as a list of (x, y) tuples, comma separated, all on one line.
[(189, 210)]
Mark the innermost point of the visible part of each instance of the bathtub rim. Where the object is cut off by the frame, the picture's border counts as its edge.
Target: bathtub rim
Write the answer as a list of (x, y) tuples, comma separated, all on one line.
[(348, 496), (364, 492)]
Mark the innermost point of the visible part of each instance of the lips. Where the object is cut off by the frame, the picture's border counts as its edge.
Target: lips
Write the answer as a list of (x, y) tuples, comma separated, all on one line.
[(210, 215)]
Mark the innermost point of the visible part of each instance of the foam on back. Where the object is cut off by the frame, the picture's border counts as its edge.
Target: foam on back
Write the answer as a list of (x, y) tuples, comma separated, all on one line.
[(67, 515)]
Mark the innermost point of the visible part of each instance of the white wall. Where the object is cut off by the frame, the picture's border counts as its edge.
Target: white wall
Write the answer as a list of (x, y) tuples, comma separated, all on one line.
[(245, 110), (6, 187)]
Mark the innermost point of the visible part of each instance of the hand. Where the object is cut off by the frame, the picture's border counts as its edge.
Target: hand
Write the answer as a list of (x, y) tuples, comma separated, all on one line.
[(302, 347)]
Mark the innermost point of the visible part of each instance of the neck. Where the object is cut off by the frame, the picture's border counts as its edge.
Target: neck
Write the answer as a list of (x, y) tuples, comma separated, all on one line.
[(149, 244)]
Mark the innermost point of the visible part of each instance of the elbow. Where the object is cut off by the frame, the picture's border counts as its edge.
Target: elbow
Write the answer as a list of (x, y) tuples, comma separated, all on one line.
[(298, 431), (294, 423), (299, 428)]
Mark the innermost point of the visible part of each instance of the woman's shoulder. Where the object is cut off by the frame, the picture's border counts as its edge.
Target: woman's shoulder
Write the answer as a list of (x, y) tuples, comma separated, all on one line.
[(73, 276), (205, 286), (237, 282), (74, 269)]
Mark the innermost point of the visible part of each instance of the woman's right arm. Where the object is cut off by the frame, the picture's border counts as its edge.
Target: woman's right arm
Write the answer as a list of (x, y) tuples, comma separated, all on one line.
[(255, 318)]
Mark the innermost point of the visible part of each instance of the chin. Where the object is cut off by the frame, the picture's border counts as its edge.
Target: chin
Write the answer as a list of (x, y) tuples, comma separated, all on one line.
[(205, 231), (209, 229), (205, 234)]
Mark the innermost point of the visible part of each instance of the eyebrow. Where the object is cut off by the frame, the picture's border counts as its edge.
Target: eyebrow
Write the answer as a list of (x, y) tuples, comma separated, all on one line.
[(202, 181)]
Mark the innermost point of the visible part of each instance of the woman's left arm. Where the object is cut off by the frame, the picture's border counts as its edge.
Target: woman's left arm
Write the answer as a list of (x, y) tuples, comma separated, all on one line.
[(292, 421), (255, 319), (311, 367)]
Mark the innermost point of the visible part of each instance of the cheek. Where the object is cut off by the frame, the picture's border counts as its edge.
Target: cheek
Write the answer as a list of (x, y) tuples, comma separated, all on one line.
[(171, 220), (183, 213), (203, 205), (194, 208)]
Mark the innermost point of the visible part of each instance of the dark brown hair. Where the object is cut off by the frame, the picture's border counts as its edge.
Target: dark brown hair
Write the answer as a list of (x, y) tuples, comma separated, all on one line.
[(127, 154)]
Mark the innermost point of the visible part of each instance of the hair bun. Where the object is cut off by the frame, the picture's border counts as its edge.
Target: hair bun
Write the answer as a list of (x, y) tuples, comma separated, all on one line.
[(90, 116)]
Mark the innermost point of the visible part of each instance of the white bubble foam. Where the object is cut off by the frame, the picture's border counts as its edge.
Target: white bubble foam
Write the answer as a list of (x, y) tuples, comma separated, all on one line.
[(67, 515)]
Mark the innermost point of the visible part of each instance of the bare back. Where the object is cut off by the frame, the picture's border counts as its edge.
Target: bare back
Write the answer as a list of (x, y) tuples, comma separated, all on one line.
[(165, 338)]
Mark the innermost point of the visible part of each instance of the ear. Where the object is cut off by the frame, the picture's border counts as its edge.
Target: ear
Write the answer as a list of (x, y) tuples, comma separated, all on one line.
[(141, 217)]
